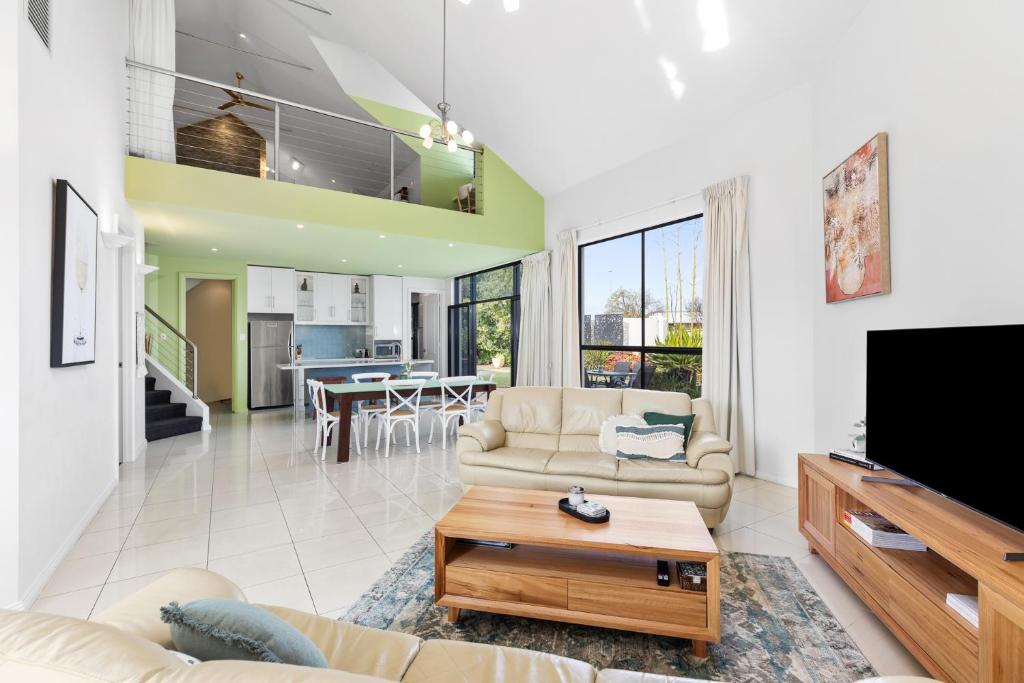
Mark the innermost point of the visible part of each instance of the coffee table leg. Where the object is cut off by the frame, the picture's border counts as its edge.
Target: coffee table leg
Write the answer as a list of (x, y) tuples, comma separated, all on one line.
[(700, 647), (453, 614)]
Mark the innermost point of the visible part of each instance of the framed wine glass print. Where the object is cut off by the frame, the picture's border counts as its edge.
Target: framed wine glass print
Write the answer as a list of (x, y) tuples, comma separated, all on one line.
[(73, 281)]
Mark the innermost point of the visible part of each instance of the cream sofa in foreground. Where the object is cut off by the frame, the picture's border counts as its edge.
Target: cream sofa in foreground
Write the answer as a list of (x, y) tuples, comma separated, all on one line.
[(127, 643), (546, 438)]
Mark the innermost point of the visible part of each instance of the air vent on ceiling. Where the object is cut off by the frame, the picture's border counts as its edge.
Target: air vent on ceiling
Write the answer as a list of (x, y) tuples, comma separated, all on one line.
[(38, 13)]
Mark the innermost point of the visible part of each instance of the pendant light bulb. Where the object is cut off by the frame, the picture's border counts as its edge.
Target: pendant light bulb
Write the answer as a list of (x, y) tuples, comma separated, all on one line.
[(451, 127), (428, 142), (425, 130), (467, 137), (452, 145)]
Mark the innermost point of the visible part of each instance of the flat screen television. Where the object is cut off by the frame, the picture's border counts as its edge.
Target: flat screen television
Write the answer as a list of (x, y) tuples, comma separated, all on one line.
[(945, 408)]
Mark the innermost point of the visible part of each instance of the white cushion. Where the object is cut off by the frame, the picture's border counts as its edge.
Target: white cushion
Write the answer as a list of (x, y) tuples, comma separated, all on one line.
[(660, 442), (607, 440)]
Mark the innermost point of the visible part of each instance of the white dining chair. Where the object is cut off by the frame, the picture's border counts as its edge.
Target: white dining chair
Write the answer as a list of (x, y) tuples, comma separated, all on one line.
[(456, 395), (368, 410), (478, 401), (426, 402), (327, 421), (399, 409)]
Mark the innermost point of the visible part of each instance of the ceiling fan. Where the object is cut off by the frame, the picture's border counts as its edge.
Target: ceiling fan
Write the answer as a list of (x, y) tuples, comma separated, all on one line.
[(238, 98)]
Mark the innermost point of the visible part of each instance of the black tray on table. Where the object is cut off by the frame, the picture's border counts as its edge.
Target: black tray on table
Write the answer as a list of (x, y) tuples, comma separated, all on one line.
[(564, 506)]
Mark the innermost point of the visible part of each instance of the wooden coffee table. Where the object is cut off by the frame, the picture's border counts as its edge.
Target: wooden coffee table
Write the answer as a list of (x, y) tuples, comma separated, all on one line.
[(563, 569)]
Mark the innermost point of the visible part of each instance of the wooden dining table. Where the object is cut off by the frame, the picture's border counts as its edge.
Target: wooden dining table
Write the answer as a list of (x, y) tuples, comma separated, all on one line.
[(342, 396)]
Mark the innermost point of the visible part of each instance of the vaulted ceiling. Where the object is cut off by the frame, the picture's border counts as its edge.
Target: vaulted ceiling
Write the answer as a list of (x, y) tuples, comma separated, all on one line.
[(562, 89)]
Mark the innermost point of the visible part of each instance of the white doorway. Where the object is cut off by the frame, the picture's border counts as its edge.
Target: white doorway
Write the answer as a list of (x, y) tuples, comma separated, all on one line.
[(208, 319), (426, 328)]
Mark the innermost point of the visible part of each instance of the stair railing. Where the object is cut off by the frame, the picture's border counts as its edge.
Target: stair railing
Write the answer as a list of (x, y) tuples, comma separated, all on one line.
[(172, 350)]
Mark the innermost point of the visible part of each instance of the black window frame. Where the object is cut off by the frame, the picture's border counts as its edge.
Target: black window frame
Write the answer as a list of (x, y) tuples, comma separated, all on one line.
[(453, 315), (643, 349)]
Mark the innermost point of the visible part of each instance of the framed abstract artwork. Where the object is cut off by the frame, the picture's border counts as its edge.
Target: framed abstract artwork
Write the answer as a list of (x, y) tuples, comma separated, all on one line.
[(73, 280), (856, 196)]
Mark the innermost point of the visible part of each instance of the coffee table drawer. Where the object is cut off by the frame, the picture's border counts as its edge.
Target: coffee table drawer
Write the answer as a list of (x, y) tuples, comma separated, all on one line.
[(500, 586), (649, 604)]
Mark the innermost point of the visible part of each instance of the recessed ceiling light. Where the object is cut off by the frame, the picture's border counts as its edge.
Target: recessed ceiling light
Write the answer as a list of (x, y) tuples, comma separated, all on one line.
[(242, 36), (383, 236), (511, 5), (300, 226), (451, 244), (213, 248), (400, 265), (333, 180), (344, 260), (296, 164)]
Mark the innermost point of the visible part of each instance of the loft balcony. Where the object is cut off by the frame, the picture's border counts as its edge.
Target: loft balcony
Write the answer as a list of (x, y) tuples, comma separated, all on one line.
[(200, 152)]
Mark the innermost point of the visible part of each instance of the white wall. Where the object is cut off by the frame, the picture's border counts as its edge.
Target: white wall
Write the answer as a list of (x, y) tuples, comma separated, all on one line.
[(772, 144), (10, 400), (947, 85), (71, 104)]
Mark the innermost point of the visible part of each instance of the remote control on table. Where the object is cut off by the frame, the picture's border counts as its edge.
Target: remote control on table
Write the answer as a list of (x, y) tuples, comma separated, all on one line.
[(663, 578), (591, 509)]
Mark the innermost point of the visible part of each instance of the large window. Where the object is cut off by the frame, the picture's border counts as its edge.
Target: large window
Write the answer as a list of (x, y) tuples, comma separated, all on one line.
[(641, 314), (483, 324)]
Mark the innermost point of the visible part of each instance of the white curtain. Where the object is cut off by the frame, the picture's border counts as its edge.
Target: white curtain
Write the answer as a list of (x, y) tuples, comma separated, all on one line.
[(151, 115), (568, 278), (728, 358), (533, 367)]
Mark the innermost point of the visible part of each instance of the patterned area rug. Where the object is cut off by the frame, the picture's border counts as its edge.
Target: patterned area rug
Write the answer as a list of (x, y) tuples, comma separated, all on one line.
[(774, 626)]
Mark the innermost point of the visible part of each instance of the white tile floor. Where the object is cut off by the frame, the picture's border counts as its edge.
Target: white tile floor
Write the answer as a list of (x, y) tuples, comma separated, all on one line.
[(251, 501)]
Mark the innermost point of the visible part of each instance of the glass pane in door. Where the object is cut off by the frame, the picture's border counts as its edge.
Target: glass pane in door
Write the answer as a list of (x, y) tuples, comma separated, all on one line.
[(494, 341)]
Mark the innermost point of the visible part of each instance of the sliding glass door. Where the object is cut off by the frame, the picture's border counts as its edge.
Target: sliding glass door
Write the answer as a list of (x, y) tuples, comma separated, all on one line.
[(483, 324)]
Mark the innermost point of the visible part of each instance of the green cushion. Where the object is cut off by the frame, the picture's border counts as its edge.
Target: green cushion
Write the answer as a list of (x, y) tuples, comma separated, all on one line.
[(217, 628), (665, 419)]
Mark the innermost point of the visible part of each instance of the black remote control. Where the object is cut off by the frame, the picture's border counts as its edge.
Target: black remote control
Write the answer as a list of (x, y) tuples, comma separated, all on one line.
[(663, 579)]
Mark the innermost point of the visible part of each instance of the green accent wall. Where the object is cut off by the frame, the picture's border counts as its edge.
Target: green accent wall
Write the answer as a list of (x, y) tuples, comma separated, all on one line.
[(165, 293), (514, 218), (442, 172)]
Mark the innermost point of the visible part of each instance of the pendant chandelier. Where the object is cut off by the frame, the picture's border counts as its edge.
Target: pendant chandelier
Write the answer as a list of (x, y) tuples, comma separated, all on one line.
[(445, 130)]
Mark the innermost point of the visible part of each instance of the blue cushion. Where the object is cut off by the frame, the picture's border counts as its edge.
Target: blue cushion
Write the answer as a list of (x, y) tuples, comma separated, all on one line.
[(217, 628)]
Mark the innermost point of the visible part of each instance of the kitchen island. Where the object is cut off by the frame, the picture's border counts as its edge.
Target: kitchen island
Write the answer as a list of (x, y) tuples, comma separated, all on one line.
[(316, 368)]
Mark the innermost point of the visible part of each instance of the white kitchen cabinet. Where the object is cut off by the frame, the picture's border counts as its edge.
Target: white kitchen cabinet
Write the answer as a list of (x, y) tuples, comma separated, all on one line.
[(386, 307), (270, 290), (332, 298), (306, 292)]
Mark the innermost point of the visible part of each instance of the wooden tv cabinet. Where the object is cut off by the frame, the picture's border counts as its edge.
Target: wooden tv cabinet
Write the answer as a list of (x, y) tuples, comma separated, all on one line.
[(906, 589)]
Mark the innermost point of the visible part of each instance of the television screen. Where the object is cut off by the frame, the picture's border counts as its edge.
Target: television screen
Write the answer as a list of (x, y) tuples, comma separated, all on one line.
[(945, 408)]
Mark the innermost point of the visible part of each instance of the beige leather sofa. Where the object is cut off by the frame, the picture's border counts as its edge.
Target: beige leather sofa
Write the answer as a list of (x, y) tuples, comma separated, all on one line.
[(546, 438), (127, 643)]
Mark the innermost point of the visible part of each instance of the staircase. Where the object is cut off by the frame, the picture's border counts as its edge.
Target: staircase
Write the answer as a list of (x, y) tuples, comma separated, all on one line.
[(165, 419)]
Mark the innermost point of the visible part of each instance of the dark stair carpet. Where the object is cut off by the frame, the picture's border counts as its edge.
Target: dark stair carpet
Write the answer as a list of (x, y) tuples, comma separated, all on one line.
[(165, 419)]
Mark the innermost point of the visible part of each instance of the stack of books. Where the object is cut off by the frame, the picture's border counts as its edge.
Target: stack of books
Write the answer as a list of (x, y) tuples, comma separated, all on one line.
[(876, 530), (965, 605)]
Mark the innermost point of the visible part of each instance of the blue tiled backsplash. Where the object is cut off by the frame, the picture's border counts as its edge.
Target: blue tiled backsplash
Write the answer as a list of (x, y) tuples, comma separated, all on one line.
[(330, 341)]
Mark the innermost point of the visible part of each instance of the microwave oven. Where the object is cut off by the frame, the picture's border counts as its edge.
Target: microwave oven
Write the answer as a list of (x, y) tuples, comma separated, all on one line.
[(387, 349)]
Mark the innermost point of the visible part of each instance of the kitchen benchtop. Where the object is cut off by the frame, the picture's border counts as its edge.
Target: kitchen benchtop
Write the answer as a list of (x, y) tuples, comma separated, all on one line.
[(314, 363)]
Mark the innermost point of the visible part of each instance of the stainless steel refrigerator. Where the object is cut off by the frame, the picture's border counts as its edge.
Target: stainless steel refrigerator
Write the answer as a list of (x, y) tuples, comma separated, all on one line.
[(270, 344)]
